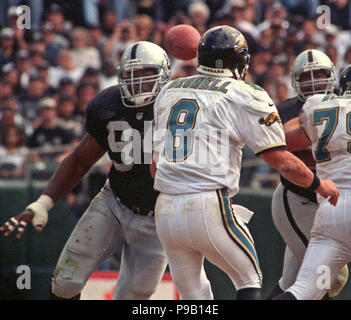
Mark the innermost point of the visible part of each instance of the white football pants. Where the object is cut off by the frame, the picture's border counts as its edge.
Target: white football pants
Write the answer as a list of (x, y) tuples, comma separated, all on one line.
[(198, 225), (328, 251)]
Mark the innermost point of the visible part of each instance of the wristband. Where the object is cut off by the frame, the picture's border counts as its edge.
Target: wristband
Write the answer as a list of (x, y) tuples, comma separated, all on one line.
[(40, 209), (315, 183)]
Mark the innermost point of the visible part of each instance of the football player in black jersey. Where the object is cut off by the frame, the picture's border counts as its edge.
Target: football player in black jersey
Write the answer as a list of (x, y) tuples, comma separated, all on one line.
[(119, 122), (293, 207)]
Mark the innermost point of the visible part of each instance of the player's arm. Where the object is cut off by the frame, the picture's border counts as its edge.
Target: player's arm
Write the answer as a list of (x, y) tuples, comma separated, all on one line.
[(295, 136), (294, 170), (67, 175), (153, 168)]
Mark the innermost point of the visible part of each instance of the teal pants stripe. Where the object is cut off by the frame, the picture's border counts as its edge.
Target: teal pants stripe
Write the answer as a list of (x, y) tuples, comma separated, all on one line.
[(235, 231)]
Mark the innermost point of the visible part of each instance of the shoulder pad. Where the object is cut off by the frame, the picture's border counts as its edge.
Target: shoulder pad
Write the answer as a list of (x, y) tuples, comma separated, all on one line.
[(106, 103)]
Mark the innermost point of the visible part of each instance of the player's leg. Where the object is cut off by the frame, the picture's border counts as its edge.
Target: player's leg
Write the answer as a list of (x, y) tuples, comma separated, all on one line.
[(323, 260), (186, 263), (290, 269), (230, 246), (293, 217), (143, 260), (188, 273), (92, 241)]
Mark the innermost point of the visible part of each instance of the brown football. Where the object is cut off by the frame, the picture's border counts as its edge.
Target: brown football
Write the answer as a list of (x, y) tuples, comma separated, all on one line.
[(182, 41)]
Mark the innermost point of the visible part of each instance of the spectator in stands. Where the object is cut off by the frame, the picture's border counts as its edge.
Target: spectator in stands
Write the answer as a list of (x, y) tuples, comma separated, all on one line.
[(29, 100), (7, 46), (36, 10), (37, 58), (13, 153), (340, 13), (47, 132), (185, 69), (199, 14), (282, 93), (83, 54), (6, 90), (7, 117), (91, 11), (86, 91), (108, 22), (310, 34), (11, 75), (306, 7), (65, 113), (237, 12), (159, 34), (67, 86), (265, 39), (10, 116), (53, 43), (91, 75), (124, 34), (23, 64), (259, 65), (65, 69), (144, 27), (97, 38), (293, 45), (55, 16), (272, 11)]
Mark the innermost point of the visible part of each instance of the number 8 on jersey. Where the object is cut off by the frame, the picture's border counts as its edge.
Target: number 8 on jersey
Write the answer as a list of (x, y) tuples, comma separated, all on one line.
[(181, 121)]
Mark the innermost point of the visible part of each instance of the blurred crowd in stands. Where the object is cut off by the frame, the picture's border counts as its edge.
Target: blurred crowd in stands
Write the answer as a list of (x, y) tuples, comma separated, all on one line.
[(50, 72)]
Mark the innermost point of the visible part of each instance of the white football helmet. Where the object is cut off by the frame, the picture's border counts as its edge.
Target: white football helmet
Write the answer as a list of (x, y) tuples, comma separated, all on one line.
[(308, 63), (142, 55)]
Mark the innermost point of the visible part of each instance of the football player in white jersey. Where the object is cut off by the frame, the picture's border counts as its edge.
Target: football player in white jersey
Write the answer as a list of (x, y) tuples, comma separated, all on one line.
[(325, 123), (294, 207), (202, 123)]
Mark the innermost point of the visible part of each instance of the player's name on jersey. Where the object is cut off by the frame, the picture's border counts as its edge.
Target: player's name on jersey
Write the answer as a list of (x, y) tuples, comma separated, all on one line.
[(201, 83)]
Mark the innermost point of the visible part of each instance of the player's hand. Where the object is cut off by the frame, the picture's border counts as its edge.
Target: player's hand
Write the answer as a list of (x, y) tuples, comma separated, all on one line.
[(36, 212), (18, 222), (328, 189)]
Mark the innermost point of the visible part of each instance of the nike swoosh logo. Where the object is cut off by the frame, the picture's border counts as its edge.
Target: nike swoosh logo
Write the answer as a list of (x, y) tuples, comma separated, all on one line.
[(270, 104)]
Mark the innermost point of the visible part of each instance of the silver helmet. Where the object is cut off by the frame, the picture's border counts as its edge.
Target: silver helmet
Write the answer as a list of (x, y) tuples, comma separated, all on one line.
[(139, 56), (312, 72)]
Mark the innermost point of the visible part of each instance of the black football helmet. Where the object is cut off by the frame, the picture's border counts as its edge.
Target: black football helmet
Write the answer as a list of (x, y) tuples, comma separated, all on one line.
[(345, 81), (223, 51)]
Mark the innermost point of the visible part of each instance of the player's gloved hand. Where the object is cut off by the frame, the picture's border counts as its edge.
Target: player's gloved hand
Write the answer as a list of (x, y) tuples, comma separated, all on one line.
[(328, 189), (36, 212)]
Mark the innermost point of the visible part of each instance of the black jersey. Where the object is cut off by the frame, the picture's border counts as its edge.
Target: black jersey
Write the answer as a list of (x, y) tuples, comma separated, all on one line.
[(108, 121), (288, 110)]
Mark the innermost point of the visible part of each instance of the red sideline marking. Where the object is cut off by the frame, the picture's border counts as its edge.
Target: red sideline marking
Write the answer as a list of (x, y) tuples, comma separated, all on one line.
[(114, 275)]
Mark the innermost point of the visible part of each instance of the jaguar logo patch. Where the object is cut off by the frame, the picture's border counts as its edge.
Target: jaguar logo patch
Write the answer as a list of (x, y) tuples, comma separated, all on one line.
[(273, 117)]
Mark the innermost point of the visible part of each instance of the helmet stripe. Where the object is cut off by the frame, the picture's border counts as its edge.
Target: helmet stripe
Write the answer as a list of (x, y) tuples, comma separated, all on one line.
[(133, 52), (310, 56)]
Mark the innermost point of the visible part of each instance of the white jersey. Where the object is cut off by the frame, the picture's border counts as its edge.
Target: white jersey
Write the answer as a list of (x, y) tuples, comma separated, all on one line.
[(201, 126), (327, 122)]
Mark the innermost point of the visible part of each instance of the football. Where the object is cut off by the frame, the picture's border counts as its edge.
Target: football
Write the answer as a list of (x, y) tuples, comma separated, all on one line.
[(181, 41)]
